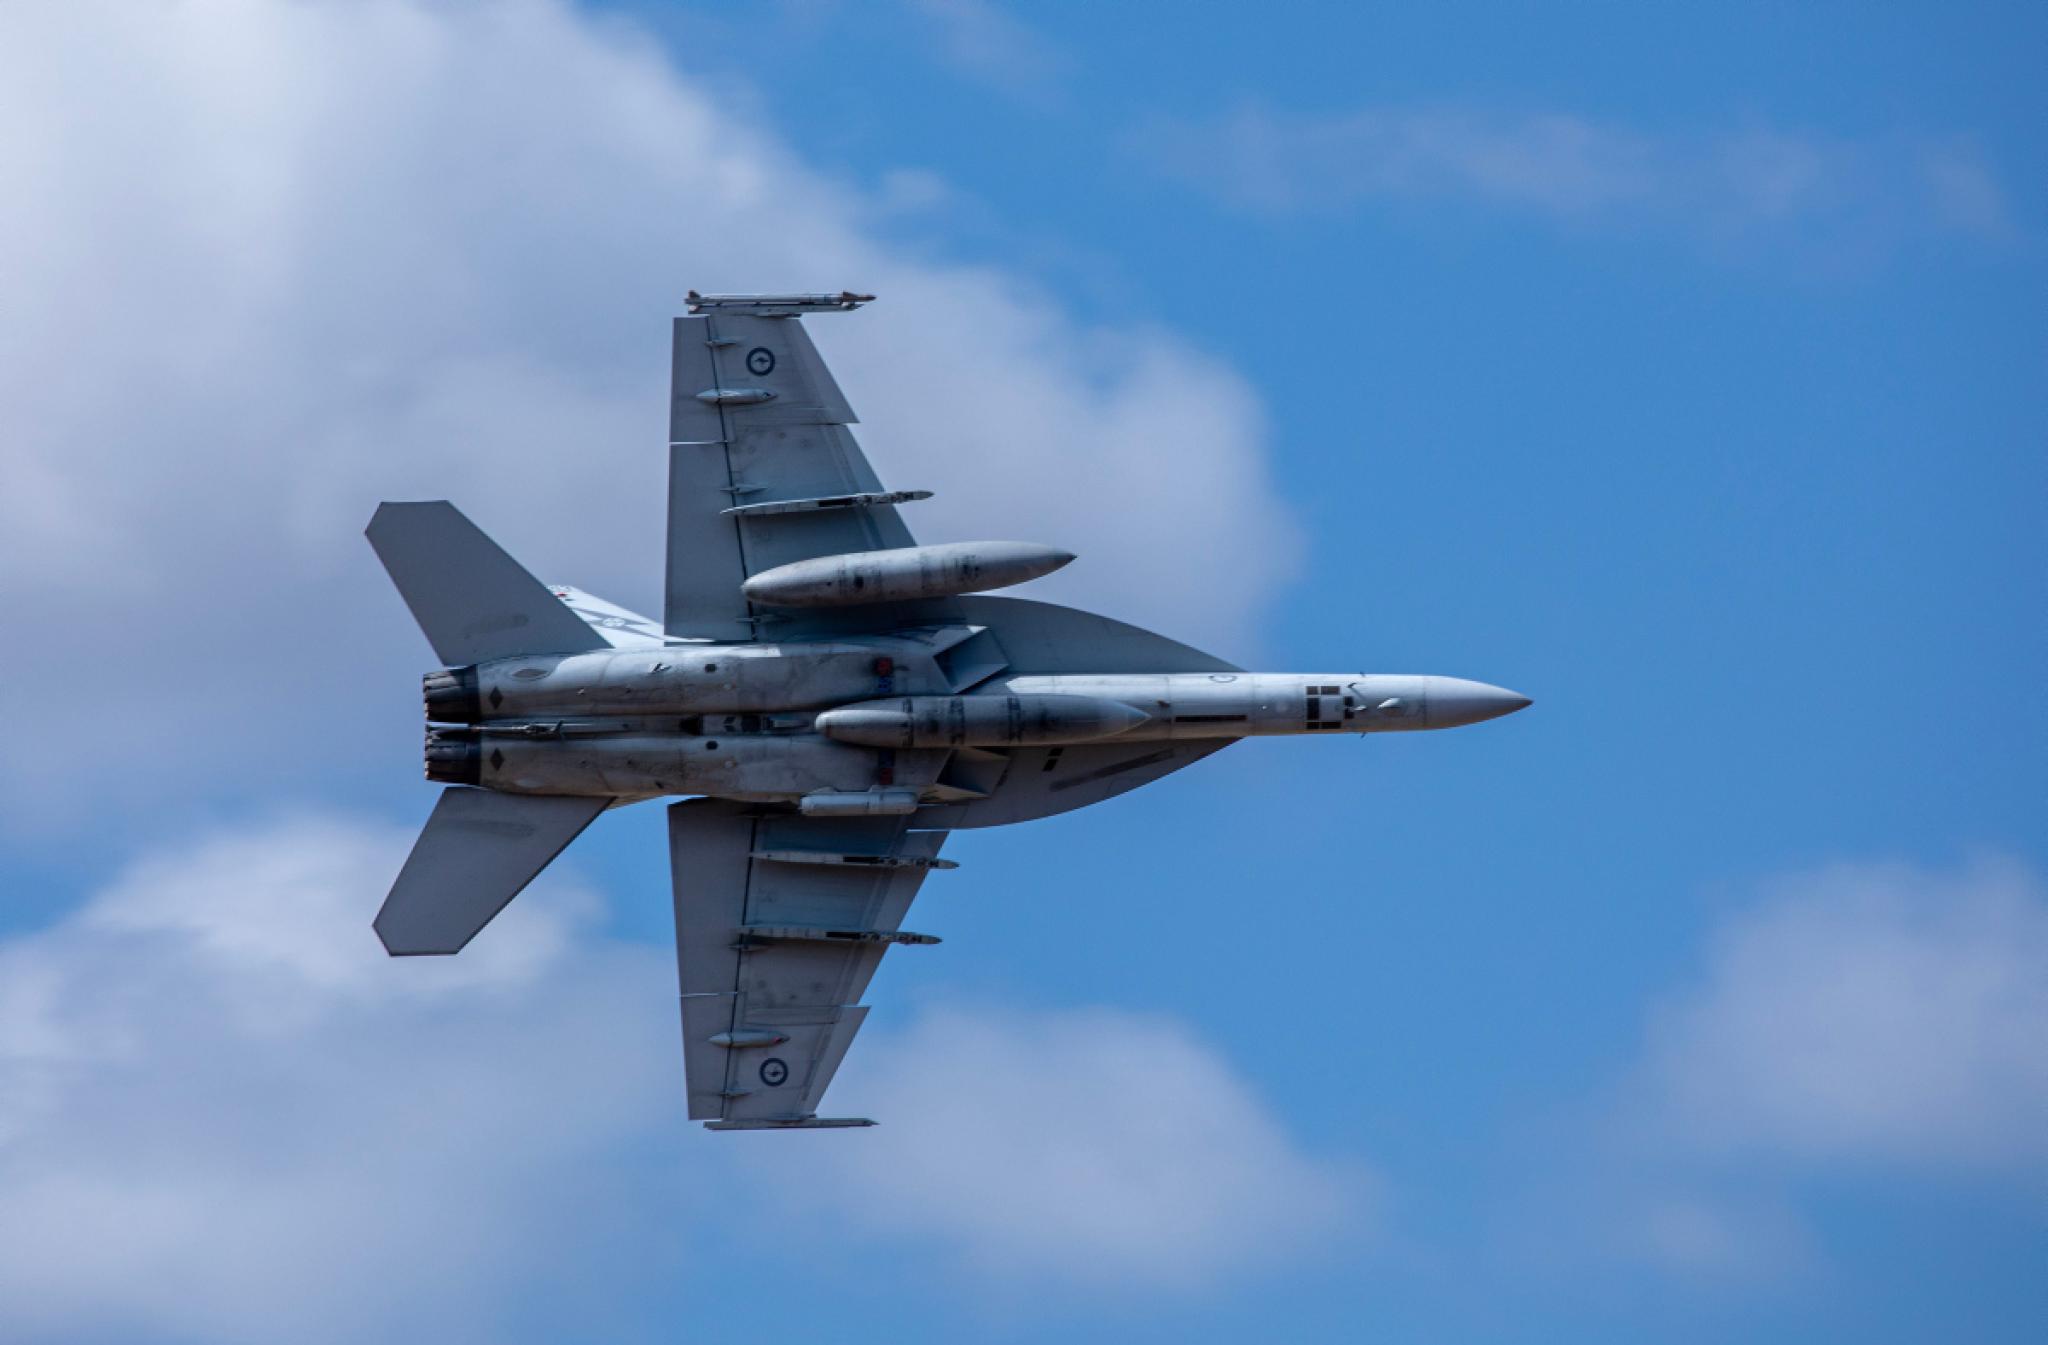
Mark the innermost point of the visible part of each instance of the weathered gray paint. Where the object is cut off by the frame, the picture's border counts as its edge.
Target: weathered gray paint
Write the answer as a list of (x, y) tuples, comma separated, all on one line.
[(471, 600), (478, 851), (839, 696), (757, 961)]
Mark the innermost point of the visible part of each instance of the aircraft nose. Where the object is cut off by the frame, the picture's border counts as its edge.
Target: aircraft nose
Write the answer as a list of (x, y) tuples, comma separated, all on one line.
[(1453, 701)]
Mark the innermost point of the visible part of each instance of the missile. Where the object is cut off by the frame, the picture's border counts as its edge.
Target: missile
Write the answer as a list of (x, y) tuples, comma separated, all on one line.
[(978, 721), (904, 574)]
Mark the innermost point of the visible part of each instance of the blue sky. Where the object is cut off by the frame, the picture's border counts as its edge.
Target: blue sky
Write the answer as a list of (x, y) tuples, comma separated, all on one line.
[(1681, 368)]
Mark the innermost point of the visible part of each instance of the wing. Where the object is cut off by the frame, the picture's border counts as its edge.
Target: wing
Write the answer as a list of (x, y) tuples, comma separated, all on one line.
[(781, 921), (762, 467)]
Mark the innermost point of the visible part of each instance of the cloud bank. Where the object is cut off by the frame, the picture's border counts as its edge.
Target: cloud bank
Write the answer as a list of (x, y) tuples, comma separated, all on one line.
[(1094, 1146), (270, 263), (1867, 1015), (1582, 171), (226, 1115), (1863, 1021)]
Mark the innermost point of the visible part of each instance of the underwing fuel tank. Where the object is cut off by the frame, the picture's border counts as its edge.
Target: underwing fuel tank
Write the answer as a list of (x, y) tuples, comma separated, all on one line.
[(634, 761), (904, 574), (978, 721), (674, 679)]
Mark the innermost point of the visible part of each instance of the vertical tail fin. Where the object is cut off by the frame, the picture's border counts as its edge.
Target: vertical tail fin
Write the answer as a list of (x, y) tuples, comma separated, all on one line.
[(476, 853), (473, 602)]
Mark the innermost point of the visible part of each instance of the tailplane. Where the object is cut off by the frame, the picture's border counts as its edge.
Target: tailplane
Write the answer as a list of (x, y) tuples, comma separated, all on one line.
[(477, 852)]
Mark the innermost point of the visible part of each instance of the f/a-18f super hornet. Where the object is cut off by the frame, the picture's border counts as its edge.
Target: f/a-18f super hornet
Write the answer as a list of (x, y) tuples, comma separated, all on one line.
[(834, 698)]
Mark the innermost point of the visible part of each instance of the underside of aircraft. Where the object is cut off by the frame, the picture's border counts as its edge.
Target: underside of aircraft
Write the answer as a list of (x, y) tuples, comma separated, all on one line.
[(828, 698)]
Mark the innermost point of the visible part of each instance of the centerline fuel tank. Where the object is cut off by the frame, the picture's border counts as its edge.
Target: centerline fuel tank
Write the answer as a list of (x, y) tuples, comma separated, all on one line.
[(978, 721), (677, 679), (638, 764)]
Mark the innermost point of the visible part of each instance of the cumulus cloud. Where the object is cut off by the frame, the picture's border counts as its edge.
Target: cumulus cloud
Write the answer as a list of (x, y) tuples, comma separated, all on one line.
[(1718, 1235), (1096, 1145), (986, 42), (270, 263), (1857, 1021), (226, 1115), (1581, 170), (1883, 1014)]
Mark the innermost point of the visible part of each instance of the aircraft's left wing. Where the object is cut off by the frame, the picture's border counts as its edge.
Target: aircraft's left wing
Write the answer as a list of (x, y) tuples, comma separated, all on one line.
[(762, 467), (781, 921)]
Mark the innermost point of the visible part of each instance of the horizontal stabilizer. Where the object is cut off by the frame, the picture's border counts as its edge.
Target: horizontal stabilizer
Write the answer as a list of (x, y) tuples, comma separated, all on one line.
[(477, 852), (473, 602)]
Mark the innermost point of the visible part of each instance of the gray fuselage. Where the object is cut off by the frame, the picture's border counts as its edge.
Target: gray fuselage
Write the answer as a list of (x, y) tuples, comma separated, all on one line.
[(808, 722)]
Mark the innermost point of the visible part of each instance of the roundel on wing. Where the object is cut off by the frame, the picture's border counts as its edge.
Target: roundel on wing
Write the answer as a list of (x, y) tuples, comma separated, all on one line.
[(760, 361)]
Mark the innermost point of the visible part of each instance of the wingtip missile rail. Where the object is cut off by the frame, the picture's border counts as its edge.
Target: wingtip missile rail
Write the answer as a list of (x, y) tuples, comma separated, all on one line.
[(777, 305)]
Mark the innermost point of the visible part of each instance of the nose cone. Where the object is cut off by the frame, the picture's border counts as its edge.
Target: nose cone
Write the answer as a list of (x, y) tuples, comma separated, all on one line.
[(1453, 701)]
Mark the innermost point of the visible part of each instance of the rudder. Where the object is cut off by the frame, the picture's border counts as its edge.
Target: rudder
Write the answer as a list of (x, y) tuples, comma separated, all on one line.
[(471, 600), (478, 851)]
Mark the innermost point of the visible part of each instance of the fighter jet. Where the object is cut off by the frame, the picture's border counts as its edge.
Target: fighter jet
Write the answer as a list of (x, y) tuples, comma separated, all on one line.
[(829, 698)]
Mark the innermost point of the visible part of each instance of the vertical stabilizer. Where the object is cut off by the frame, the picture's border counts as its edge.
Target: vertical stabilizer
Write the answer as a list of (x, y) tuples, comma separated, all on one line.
[(473, 602), (477, 852)]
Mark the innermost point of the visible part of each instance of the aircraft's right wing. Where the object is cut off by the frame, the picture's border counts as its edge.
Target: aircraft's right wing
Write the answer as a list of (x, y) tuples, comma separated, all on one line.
[(781, 921), (762, 468)]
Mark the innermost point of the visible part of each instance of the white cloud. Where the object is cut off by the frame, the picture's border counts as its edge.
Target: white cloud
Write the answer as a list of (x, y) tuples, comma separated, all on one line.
[(986, 42), (1964, 191), (1581, 170), (1099, 1146), (270, 263), (1874, 1028), (1867, 1015), (1552, 163), (226, 1115), (1718, 1236)]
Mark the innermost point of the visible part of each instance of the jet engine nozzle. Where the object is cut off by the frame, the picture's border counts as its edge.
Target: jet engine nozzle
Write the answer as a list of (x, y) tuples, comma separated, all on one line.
[(452, 696), (978, 721), (455, 756)]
